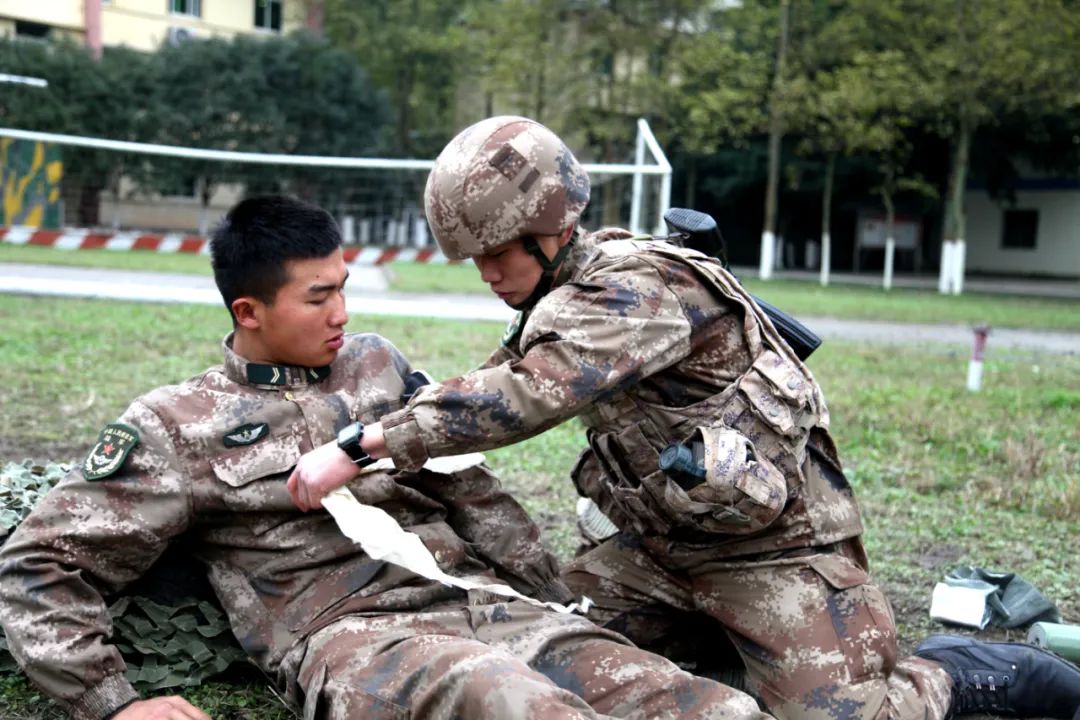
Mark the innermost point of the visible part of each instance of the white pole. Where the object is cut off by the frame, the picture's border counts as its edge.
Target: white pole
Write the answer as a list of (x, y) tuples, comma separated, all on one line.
[(227, 155), (635, 195), (348, 229), (959, 257), (826, 258), (420, 238), (365, 231), (662, 168), (768, 248), (945, 275), (890, 253), (975, 367), (665, 202), (24, 80)]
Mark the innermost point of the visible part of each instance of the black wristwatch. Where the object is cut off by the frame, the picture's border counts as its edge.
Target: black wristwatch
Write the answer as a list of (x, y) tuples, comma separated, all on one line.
[(348, 439)]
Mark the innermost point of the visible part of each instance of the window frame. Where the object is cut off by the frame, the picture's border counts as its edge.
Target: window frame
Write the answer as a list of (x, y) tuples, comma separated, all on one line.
[(194, 8), (1020, 229), (268, 15)]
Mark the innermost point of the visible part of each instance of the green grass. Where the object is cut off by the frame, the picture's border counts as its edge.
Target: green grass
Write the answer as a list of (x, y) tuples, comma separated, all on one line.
[(432, 278), (797, 297), (806, 299), (944, 477)]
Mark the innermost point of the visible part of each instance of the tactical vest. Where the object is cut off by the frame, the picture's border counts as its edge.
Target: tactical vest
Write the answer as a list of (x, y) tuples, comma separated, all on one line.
[(775, 403)]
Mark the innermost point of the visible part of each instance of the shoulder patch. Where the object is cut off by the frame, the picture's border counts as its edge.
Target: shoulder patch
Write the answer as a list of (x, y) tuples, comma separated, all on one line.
[(245, 434), (513, 328), (112, 448)]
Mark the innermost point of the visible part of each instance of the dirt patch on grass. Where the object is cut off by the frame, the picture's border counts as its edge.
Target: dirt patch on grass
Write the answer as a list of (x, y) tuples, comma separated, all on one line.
[(40, 452)]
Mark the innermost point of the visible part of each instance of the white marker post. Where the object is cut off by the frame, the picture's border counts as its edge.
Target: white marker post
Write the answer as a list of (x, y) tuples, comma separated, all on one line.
[(975, 367)]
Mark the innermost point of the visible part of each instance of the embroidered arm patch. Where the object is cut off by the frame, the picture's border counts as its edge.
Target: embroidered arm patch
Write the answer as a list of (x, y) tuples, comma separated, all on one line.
[(112, 448)]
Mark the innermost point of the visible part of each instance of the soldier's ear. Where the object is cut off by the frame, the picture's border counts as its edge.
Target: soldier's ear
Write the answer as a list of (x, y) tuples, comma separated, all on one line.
[(245, 311), (567, 234)]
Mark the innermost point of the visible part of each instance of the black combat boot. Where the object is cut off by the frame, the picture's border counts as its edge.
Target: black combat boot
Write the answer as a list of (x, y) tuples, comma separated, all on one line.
[(1002, 678)]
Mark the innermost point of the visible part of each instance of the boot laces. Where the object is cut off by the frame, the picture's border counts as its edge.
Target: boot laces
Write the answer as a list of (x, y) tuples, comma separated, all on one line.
[(984, 690)]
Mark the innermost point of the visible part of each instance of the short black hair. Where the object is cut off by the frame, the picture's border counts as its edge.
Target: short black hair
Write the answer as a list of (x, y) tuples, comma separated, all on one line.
[(251, 244)]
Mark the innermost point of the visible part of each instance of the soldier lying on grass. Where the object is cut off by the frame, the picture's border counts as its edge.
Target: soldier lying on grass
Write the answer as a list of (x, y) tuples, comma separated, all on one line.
[(345, 635)]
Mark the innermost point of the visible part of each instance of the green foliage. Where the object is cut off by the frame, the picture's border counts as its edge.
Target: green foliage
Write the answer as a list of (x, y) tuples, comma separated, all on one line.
[(21, 486), (165, 646), (724, 75), (171, 646), (416, 52), (293, 95), (112, 98)]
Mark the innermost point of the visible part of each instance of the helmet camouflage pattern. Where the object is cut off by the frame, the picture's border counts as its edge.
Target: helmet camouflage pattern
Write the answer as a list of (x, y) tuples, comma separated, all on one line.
[(501, 179)]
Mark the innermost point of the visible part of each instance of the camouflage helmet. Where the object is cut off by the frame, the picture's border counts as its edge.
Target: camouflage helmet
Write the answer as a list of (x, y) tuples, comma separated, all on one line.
[(500, 179)]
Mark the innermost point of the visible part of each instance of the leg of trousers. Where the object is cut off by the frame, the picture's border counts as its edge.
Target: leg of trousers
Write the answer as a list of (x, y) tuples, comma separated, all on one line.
[(502, 660), (816, 636)]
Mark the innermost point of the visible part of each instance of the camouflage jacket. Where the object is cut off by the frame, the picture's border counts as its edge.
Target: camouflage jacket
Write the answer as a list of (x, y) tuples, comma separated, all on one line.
[(209, 464), (651, 344)]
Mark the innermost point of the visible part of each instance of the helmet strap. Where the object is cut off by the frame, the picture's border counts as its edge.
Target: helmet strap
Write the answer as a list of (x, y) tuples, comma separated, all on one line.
[(548, 265)]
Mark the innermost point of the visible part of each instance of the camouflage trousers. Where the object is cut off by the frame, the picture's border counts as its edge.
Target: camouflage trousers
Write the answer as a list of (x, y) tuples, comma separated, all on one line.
[(817, 639), (502, 660)]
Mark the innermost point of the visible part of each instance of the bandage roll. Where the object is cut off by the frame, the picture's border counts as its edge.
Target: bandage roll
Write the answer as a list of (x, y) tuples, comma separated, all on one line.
[(1061, 639)]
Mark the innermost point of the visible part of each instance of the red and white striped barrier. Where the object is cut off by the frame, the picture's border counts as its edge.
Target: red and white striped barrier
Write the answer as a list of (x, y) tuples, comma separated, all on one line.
[(79, 239)]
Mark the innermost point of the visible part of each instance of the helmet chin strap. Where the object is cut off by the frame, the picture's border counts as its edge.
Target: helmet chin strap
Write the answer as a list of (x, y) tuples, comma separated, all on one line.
[(549, 266)]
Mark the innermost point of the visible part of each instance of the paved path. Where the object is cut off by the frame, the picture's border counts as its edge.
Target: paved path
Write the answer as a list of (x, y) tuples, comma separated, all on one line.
[(366, 293)]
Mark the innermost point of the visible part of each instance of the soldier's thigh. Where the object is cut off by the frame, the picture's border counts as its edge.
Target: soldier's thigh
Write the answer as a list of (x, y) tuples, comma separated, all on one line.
[(423, 665), (817, 638), (631, 592), (619, 680)]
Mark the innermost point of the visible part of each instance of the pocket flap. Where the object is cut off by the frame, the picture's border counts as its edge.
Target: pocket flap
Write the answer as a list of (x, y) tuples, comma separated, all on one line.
[(269, 457), (770, 407), (839, 571)]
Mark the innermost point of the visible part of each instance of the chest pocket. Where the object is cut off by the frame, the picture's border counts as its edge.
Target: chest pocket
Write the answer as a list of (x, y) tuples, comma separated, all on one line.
[(254, 476)]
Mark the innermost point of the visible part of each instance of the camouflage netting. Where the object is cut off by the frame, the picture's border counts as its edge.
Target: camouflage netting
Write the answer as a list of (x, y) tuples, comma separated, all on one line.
[(170, 629)]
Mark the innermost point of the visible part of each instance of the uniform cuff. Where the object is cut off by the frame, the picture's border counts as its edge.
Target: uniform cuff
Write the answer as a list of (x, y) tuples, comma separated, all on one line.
[(555, 591), (104, 699), (403, 441)]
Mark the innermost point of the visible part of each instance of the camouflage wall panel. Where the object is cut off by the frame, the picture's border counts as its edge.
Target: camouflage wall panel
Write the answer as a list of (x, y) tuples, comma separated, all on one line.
[(30, 174)]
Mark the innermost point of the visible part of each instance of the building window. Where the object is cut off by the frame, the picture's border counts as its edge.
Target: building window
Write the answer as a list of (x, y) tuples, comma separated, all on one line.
[(268, 15), (186, 7), (1019, 229), (27, 29)]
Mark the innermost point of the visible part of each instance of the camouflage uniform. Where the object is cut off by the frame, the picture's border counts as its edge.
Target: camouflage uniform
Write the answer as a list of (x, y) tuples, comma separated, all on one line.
[(347, 636), (651, 344)]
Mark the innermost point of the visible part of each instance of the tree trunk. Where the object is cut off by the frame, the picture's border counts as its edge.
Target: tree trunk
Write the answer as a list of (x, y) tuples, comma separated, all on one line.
[(89, 205), (953, 247), (691, 171), (954, 215), (114, 187), (541, 81), (776, 134), (890, 222), (826, 220), (205, 191)]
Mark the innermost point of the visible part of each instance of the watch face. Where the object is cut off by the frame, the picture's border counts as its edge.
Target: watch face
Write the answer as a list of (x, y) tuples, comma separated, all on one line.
[(349, 438), (347, 434)]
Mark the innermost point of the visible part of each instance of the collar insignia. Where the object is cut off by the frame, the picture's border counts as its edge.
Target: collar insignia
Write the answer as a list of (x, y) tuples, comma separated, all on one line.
[(284, 375), (113, 445), (245, 434)]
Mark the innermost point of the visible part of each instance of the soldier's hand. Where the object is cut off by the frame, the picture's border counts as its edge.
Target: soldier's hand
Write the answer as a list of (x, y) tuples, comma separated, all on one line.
[(319, 472), (173, 707)]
